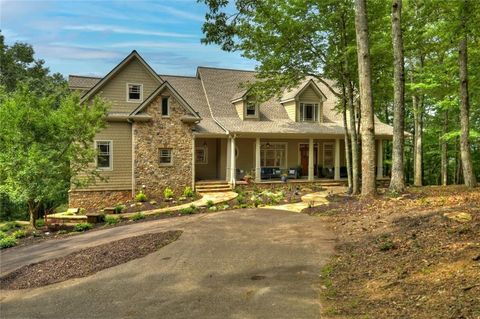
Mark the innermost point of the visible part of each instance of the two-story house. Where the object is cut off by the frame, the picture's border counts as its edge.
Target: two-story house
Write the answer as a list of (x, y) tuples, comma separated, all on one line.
[(166, 130)]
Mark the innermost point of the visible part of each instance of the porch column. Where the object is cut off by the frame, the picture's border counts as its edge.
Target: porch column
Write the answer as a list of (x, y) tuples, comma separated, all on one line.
[(193, 162), (258, 168), (233, 161), (337, 160), (379, 159), (310, 159), (228, 173)]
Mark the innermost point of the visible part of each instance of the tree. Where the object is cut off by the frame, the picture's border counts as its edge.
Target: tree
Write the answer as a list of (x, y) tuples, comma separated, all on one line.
[(468, 173), (366, 100), (397, 182), (43, 147)]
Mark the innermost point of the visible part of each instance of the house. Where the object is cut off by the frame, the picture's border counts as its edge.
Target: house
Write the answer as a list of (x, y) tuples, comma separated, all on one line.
[(166, 130)]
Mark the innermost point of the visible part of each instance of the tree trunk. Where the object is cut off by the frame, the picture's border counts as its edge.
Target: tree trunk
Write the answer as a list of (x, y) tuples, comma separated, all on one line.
[(468, 174), (348, 154), (33, 212), (397, 181), (354, 142), (366, 100), (444, 159), (417, 163)]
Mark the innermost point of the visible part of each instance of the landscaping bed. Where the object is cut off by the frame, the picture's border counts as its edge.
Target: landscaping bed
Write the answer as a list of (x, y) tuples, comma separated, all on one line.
[(413, 256), (87, 261)]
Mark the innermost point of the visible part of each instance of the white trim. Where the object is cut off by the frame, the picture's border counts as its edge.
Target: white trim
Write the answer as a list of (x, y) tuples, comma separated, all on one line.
[(313, 103), (171, 157), (110, 168), (205, 149), (168, 106), (275, 143), (128, 93), (245, 115)]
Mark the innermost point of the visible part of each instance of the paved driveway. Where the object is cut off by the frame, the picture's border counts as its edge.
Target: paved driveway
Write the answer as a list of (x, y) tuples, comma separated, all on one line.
[(248, 263)]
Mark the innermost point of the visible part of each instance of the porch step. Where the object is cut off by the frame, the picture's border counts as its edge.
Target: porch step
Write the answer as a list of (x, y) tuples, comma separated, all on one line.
[(212, 186)]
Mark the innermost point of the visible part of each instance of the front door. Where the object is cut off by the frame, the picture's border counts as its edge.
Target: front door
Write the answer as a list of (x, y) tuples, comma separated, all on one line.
[(304, 158)]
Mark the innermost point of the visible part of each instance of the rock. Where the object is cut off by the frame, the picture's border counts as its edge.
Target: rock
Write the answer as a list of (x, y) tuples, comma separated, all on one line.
[(73, 210), (153, 202), (459, 216)]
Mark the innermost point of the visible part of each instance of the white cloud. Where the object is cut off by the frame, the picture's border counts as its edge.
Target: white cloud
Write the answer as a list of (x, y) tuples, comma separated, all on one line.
[(122, 30), (75, 53)]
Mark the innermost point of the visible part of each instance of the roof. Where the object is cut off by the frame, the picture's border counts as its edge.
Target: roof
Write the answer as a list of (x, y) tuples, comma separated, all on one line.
[(210, 94)]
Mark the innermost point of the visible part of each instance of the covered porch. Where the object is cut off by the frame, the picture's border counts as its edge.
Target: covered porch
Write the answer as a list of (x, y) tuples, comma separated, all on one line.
[(268, 159)]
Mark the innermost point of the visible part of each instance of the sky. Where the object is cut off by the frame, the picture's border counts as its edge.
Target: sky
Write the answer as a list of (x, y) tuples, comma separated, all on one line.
[(91, 37)]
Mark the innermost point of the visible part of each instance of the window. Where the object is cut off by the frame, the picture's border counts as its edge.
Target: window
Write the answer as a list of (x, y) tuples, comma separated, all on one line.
[(273, 155), (201, 155), (165, 106), (134, 92), (104, 154), (309, 112), (166, 157), (251, 109)]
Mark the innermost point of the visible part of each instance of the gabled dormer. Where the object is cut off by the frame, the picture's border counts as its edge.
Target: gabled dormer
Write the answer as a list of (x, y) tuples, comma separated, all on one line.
[(246, 105), (304, 103)]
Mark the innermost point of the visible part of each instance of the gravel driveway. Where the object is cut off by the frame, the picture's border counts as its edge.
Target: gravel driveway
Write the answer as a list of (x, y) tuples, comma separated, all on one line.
[(251, 263)]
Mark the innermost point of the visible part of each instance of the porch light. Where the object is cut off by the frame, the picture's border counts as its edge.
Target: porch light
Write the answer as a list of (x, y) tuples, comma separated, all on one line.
[(267, 145), (205, 144)]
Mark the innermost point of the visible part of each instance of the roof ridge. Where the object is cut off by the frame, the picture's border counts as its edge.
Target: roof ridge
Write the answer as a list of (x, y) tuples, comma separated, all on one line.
[(225, 69), (86, 76), (179, 76)]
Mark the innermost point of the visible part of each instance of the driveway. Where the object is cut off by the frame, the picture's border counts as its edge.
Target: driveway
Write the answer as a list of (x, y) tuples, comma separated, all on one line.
[(251, 263)]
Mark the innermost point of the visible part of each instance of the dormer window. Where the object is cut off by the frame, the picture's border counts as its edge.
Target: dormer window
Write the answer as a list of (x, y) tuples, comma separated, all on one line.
[(134, 92), (309, 112), (251, 109)]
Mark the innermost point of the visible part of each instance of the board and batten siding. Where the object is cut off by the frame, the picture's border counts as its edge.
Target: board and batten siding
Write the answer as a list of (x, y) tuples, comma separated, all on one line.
[(120, 177), (115, 90)]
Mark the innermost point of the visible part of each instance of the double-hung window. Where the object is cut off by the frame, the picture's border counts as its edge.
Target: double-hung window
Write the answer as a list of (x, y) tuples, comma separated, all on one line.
[(134, 92), (309, 112), (165, 107), (104, 155), (273, 155), (166, 158), (251, 109)]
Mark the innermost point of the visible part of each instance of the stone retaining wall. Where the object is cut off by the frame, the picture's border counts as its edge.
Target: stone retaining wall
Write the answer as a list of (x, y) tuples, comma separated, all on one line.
[(96, 200)]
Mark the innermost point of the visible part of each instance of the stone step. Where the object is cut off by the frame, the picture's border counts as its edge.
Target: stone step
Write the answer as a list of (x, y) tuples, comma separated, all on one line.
[(212, 185), (210, 190)]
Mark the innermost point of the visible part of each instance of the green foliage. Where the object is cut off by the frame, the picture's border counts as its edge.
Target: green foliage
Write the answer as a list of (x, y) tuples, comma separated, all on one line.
[(2, 235), (240, 199), (19, 233), (111, 220), (210, 203), (168, 193), (81, 227), (7, 242), (9, 226), (141, 197), (119, 208), (137, 216), (188, 192), (187, 210)]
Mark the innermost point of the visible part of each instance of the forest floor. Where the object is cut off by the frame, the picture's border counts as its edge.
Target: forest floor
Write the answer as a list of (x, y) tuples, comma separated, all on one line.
[(413, 256)]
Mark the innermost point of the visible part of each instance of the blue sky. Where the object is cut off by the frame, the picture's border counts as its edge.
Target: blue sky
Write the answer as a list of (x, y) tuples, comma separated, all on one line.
[(91, 37)]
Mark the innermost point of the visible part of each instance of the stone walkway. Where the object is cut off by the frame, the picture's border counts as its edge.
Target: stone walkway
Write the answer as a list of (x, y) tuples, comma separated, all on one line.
[(310, 200)]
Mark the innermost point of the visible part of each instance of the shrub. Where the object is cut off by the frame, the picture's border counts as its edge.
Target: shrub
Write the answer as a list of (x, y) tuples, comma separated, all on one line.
[(257, 201), (111, 220), (187, 211), (240, 199), (9, 226), (168, 193), (210, 203), (188, 192), (119, 208), (39, 223), (138, 216), (7, 242), (19, 233), (2, 235), (82, 227), (141, 197)]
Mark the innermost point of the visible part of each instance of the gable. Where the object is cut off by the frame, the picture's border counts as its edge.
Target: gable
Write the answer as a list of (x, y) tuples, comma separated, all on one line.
[(310, 95)]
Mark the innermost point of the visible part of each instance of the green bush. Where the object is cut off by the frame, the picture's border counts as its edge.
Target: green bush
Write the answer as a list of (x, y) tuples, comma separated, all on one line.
[(9, 226), (82, 227), (19, 233), (119, 208), (8, 241), (188, 192), (189, 210), (39, 223), (168, 193), (111, 220), (138, 216), (210, 203), (141, 197), (240, 199), (2, 235)]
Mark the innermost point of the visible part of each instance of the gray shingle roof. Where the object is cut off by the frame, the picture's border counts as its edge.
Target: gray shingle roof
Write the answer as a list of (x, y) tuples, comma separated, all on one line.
[(82, 82)]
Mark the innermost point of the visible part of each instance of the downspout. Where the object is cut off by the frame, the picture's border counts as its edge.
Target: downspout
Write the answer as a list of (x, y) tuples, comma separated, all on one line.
[(133, 156)]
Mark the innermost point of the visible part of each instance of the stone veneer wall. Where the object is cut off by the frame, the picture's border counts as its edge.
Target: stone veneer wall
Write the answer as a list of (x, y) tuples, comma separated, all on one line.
[(162, 132), (96, 200)]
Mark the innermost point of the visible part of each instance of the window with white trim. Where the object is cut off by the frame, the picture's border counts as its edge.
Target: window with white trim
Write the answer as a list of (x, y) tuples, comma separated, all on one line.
[(166, 158), (201, 154), (134, 92), (273, 154), (309, 112), (104, 155), (251, 109), (165, 106)]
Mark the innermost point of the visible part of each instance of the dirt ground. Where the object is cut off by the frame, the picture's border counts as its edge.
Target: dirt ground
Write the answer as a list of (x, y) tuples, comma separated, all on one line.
[(86, 261), (402, 257)]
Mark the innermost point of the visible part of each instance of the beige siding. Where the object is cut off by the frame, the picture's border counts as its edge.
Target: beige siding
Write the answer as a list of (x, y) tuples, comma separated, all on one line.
[(120, 177), (309, 95), (246, 155), (291, 108), (115, 90), (239, 108), (208, 170)]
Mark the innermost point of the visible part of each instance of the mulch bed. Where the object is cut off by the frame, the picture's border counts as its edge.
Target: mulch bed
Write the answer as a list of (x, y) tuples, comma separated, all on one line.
[(87, 261), (402, 258)]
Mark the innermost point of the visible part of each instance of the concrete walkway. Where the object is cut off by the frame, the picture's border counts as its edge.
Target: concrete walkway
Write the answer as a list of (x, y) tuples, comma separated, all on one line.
[(310, 200), (247, 263)]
